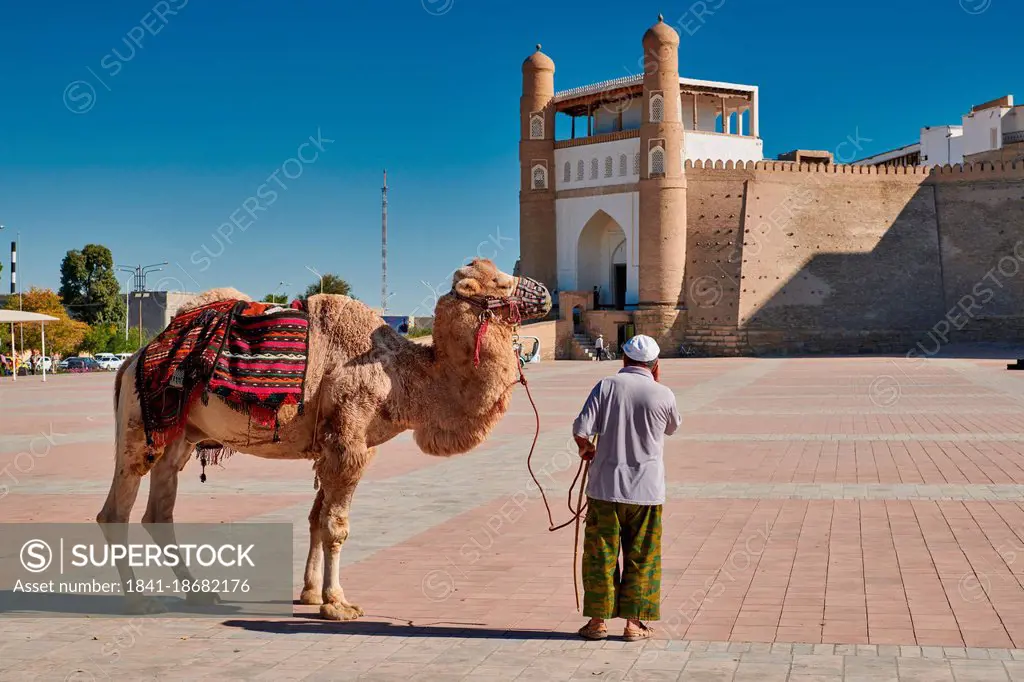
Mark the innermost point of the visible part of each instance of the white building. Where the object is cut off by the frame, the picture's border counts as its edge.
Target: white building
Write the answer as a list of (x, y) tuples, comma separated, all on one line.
[(941, 145), (597, 168), (992, 128), (993, 131)]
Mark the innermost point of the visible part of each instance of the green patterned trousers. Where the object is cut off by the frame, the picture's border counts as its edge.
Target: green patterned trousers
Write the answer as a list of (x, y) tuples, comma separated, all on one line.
[(634, 590)]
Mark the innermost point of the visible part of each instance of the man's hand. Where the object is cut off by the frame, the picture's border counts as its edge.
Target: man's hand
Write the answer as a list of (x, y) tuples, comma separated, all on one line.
[(587, 448)]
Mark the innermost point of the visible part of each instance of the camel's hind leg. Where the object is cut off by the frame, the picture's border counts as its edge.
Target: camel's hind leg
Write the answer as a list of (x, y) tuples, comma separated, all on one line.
[(313, 580), (129, 467), (113, 520), (159, 516)]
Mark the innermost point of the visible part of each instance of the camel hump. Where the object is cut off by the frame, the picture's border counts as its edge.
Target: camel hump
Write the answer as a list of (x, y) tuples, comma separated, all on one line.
[(212, 296)]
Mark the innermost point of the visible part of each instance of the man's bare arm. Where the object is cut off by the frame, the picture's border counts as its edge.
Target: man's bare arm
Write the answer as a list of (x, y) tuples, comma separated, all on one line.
[(586, 446)]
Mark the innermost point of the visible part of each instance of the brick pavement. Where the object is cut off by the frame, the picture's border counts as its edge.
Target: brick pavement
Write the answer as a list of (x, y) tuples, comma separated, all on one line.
[(829, 519)]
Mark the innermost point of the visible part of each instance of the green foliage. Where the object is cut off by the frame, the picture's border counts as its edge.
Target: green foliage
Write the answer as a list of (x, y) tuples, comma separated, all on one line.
[(89, 287), (332, 285), (110, 338), (98, 338), (275, 298), (417, 332)]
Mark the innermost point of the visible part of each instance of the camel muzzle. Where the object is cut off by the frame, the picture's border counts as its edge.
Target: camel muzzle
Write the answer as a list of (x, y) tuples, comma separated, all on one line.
[(533, 297)]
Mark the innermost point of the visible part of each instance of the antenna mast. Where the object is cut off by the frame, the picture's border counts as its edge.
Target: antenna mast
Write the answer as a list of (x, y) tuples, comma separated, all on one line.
[(384, 245)]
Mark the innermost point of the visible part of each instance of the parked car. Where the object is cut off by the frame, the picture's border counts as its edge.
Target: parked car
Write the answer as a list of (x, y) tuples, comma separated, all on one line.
[(108, 361), (124, 356), (77, 364)]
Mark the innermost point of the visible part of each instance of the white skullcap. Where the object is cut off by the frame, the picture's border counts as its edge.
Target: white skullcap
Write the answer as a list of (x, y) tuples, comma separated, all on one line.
[(641, 348)]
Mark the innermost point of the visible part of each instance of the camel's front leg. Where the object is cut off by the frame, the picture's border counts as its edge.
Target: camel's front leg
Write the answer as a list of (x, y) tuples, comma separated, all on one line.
[(338, 480), (313, 580)]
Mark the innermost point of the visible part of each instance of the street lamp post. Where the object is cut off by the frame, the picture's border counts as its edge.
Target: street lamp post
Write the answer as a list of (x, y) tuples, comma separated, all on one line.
[(143, 271), (313, 270), (280, 285), (139, 272), (126, 304)]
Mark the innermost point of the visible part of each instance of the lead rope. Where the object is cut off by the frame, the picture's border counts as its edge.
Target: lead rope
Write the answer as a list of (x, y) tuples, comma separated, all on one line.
[(581, 476)]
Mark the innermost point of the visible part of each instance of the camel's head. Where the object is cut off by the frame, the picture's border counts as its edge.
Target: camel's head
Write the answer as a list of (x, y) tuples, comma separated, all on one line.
[(507, 298)]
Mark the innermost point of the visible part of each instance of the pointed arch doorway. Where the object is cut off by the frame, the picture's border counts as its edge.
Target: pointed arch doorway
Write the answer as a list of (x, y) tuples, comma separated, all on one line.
[(601, 260)]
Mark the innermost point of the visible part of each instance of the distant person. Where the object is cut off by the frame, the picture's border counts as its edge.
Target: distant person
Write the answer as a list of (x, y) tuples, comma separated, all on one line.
[(403, 328), (599, 346), (32, 364)]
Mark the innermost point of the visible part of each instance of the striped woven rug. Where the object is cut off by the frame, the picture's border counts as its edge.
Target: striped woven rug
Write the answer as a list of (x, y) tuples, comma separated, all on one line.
[(262, 364), (252, 355)]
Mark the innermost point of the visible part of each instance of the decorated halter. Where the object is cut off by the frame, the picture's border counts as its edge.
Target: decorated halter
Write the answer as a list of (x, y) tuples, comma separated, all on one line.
[(527, 300)]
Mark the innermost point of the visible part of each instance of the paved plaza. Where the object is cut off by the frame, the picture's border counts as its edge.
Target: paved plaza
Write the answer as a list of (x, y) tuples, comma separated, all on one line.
[(828, 519)]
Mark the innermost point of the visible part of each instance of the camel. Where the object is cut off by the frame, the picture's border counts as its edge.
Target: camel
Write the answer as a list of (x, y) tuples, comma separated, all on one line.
[(364, 385)]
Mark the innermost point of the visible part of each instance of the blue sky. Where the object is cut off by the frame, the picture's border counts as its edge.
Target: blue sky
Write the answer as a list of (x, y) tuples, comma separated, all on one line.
[(149, 149)]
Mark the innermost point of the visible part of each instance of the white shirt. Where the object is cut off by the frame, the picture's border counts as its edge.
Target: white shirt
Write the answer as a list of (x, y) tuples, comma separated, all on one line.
[(632, 414), (599, 344)]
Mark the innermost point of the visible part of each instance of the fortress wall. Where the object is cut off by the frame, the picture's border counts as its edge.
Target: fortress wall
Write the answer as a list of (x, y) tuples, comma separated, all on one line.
[(842, 258), (714, 205), (840, 252), (981, 226)]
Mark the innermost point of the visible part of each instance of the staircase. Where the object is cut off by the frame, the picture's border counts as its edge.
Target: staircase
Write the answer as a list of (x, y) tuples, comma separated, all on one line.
[(583, 348)]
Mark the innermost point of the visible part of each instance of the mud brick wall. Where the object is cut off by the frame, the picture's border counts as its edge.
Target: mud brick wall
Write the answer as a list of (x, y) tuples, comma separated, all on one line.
[(785, 257)]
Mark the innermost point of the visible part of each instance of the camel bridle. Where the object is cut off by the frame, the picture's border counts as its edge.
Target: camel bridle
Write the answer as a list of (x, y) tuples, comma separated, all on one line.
[(528, 299)]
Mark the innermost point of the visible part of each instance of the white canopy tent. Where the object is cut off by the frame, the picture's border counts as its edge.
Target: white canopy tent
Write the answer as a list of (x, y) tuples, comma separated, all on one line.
[(18, 316)]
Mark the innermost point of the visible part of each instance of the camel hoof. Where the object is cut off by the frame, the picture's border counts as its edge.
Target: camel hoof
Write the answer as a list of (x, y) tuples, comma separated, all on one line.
[(143, 606), (202, 598), (311, 597), (340, 612)]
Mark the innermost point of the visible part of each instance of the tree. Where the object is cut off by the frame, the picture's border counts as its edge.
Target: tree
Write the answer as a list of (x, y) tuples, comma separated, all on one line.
[(110, 338), (62, 337), (98, 338), (128, 345), (332, 284), (275, 298), (89, 287)]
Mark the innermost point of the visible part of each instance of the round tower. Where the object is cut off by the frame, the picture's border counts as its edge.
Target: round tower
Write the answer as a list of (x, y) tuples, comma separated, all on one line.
[(537, 239), (662, 229)]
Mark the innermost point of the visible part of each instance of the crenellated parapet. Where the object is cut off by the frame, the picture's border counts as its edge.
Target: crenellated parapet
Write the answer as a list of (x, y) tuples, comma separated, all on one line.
[(980, 171)]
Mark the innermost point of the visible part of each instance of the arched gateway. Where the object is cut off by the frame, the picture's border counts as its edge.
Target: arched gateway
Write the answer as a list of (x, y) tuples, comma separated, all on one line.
[(601, 260)]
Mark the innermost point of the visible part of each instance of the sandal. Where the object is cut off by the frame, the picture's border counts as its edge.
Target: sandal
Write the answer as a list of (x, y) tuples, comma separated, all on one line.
[(594, 631), (631, 634)]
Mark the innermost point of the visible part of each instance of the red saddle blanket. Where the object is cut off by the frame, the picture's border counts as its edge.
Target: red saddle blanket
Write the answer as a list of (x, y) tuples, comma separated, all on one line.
[(252, 355)]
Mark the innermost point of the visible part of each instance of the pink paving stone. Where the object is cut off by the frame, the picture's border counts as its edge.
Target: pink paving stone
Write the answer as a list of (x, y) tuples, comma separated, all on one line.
[(70, 508), (765, 570)]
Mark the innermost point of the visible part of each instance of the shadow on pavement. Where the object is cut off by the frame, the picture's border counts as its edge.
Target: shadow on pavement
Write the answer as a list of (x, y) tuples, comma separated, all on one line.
[(382, 629)]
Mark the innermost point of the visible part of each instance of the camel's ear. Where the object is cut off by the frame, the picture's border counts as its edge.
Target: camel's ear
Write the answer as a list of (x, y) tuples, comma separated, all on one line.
[(468, 286)]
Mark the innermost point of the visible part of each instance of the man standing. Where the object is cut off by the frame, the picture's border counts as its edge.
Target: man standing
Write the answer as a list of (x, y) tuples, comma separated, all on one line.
[(632, 413), (599, 346)]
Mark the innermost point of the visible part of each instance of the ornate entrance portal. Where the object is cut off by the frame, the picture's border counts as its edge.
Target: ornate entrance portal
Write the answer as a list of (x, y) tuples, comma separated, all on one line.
[(601, 260)]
